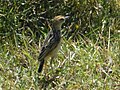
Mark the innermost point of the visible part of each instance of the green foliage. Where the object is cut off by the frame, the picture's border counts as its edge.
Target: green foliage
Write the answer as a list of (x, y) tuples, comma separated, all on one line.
[(89, 50)]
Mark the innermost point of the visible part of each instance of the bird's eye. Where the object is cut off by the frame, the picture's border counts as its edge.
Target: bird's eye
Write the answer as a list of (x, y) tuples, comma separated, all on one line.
[(62, 19)]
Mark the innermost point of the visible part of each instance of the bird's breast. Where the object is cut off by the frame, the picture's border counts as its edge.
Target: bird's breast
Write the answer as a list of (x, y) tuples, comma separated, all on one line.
[(53, 53)]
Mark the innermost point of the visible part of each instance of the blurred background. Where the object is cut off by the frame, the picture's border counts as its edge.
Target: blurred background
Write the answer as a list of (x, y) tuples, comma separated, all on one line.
[(91, 44)]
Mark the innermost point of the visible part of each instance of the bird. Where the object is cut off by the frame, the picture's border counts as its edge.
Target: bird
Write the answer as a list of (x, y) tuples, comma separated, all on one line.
[(52, 43)]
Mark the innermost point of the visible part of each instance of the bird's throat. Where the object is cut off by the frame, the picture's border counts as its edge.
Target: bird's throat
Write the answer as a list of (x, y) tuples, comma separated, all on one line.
[(57, 27)]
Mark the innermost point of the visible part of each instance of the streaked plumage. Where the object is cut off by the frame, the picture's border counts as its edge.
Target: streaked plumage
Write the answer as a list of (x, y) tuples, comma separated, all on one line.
[(52, 41)]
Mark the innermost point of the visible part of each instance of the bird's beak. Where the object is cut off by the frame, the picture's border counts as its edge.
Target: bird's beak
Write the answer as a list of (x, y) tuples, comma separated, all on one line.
[(66, 17)]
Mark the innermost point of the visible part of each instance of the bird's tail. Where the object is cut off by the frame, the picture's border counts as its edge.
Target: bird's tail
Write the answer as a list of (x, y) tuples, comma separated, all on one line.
[(41, 66)]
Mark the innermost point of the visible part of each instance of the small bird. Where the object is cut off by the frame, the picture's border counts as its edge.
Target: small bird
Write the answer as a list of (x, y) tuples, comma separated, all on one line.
[(52, 42)]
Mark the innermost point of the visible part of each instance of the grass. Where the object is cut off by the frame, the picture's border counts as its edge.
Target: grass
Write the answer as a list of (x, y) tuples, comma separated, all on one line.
[(82, 65), (92, 62)]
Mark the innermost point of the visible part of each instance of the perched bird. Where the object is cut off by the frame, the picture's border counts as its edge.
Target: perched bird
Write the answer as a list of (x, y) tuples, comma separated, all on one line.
[(52, 42)]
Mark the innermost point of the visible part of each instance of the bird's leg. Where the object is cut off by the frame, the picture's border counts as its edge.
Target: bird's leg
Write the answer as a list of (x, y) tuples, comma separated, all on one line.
[(51, 62)]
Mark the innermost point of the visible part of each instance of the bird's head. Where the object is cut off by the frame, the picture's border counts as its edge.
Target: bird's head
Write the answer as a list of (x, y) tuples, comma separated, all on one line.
[(58, 21)]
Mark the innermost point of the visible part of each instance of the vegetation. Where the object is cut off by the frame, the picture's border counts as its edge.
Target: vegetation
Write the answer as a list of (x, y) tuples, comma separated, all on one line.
[(89, 58)]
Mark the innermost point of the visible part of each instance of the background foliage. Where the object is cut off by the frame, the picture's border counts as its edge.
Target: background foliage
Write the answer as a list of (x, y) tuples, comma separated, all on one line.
[(89, 52)]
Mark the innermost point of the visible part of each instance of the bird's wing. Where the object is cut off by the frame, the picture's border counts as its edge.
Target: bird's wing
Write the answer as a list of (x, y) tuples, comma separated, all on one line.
[(49, 44), (48, 38)]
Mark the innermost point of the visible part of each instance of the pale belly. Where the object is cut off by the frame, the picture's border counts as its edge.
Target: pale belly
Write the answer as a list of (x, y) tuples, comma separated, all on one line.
[(54, 52)]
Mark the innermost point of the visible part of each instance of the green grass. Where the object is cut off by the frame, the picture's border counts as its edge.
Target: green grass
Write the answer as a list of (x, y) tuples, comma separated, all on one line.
[(85, 60), (79, 65)]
